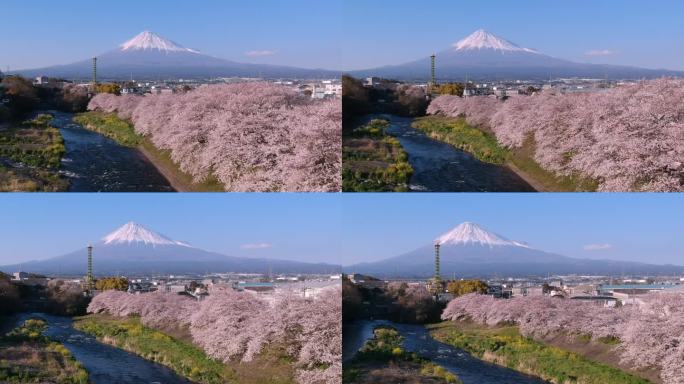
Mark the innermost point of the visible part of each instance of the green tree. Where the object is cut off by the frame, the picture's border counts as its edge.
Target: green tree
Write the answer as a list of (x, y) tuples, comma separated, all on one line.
[(455, 89), (108, 283), (22, 95), (463, 287), (355, 98), (114, 89)]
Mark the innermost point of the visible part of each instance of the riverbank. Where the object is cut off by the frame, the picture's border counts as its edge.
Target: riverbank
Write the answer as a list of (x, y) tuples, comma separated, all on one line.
[(110, 125), (483, 145), (30, 157), (26, 356), (383, 360), (372, 161), (505, 346), (173, 348)]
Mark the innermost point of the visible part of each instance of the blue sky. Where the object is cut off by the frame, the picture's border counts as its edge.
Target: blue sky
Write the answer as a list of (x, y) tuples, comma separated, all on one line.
[(349, 228), (636, 227), (301, 227), (304, 33), (630, 32)]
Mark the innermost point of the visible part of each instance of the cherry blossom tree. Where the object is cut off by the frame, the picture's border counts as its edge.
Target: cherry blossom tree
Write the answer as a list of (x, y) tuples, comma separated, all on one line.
[(650, 333), (630, 138), (236, 326), (249, 136)]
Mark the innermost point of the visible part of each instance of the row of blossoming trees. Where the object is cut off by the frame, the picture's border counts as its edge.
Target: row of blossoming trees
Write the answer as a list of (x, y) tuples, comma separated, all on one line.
[(250, 136), (237, 326), (650, 334), (630, 138)]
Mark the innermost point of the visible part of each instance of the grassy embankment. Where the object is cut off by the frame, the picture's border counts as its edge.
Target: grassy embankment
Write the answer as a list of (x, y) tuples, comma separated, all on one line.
[(30, 157), (26, 356), (121, 131), (373, 161), (483, 145), (505, 346), (382, 360), (174, 349)]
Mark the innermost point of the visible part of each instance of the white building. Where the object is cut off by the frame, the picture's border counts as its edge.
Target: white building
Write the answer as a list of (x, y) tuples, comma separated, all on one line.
[(333, 90)]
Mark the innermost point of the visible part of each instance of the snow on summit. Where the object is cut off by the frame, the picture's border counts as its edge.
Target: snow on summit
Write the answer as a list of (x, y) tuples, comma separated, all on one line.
[(151, 41), (472, 234), (482, 39), (135, 233)]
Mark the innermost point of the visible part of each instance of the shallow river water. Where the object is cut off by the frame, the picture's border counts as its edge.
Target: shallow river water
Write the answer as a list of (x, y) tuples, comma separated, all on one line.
[(105, 364), (440, 167), (95, 163), (417, 339)]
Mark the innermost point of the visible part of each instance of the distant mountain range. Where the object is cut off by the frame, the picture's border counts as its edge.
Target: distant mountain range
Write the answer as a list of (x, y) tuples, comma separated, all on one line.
[(134, 249), (150, 56), (471, 251), (485, 56)]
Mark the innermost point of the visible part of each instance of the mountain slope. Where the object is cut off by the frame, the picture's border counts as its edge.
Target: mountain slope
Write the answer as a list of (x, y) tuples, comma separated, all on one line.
[(150, 56), (485, 56), (134, 249), (471, 251)]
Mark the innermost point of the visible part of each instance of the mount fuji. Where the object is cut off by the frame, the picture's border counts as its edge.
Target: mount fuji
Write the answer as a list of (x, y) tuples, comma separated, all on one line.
[(485, 56), (472, 251), (134, 249), (150, 56)]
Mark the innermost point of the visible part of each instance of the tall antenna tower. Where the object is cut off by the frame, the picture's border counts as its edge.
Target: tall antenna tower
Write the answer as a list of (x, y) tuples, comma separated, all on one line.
[(437, 279), (433, 82), (89, 276), (94, 70)]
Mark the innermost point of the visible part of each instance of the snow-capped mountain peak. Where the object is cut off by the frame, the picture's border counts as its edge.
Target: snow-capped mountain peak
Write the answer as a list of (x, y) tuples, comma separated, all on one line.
[(131, 233), (147, 40), (482, 39), (472, 234)]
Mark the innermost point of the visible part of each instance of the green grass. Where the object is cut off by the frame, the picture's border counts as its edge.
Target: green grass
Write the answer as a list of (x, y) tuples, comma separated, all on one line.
[(457, 132), (34, 143), (373, 161), (123, 132), (27, 356), (504, 345), (523, 159), (109, 125), (183, 357), (162, 158), (40, 148), (484, 146), (385, 347)]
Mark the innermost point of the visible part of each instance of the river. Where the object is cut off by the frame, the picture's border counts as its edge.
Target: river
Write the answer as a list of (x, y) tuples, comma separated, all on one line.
[(95, 163), (441, 167), (417, 339), (105, 364)]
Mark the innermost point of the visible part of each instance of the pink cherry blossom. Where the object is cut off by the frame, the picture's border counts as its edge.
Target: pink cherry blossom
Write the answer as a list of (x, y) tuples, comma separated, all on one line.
[(250, 136), (630, 138)]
